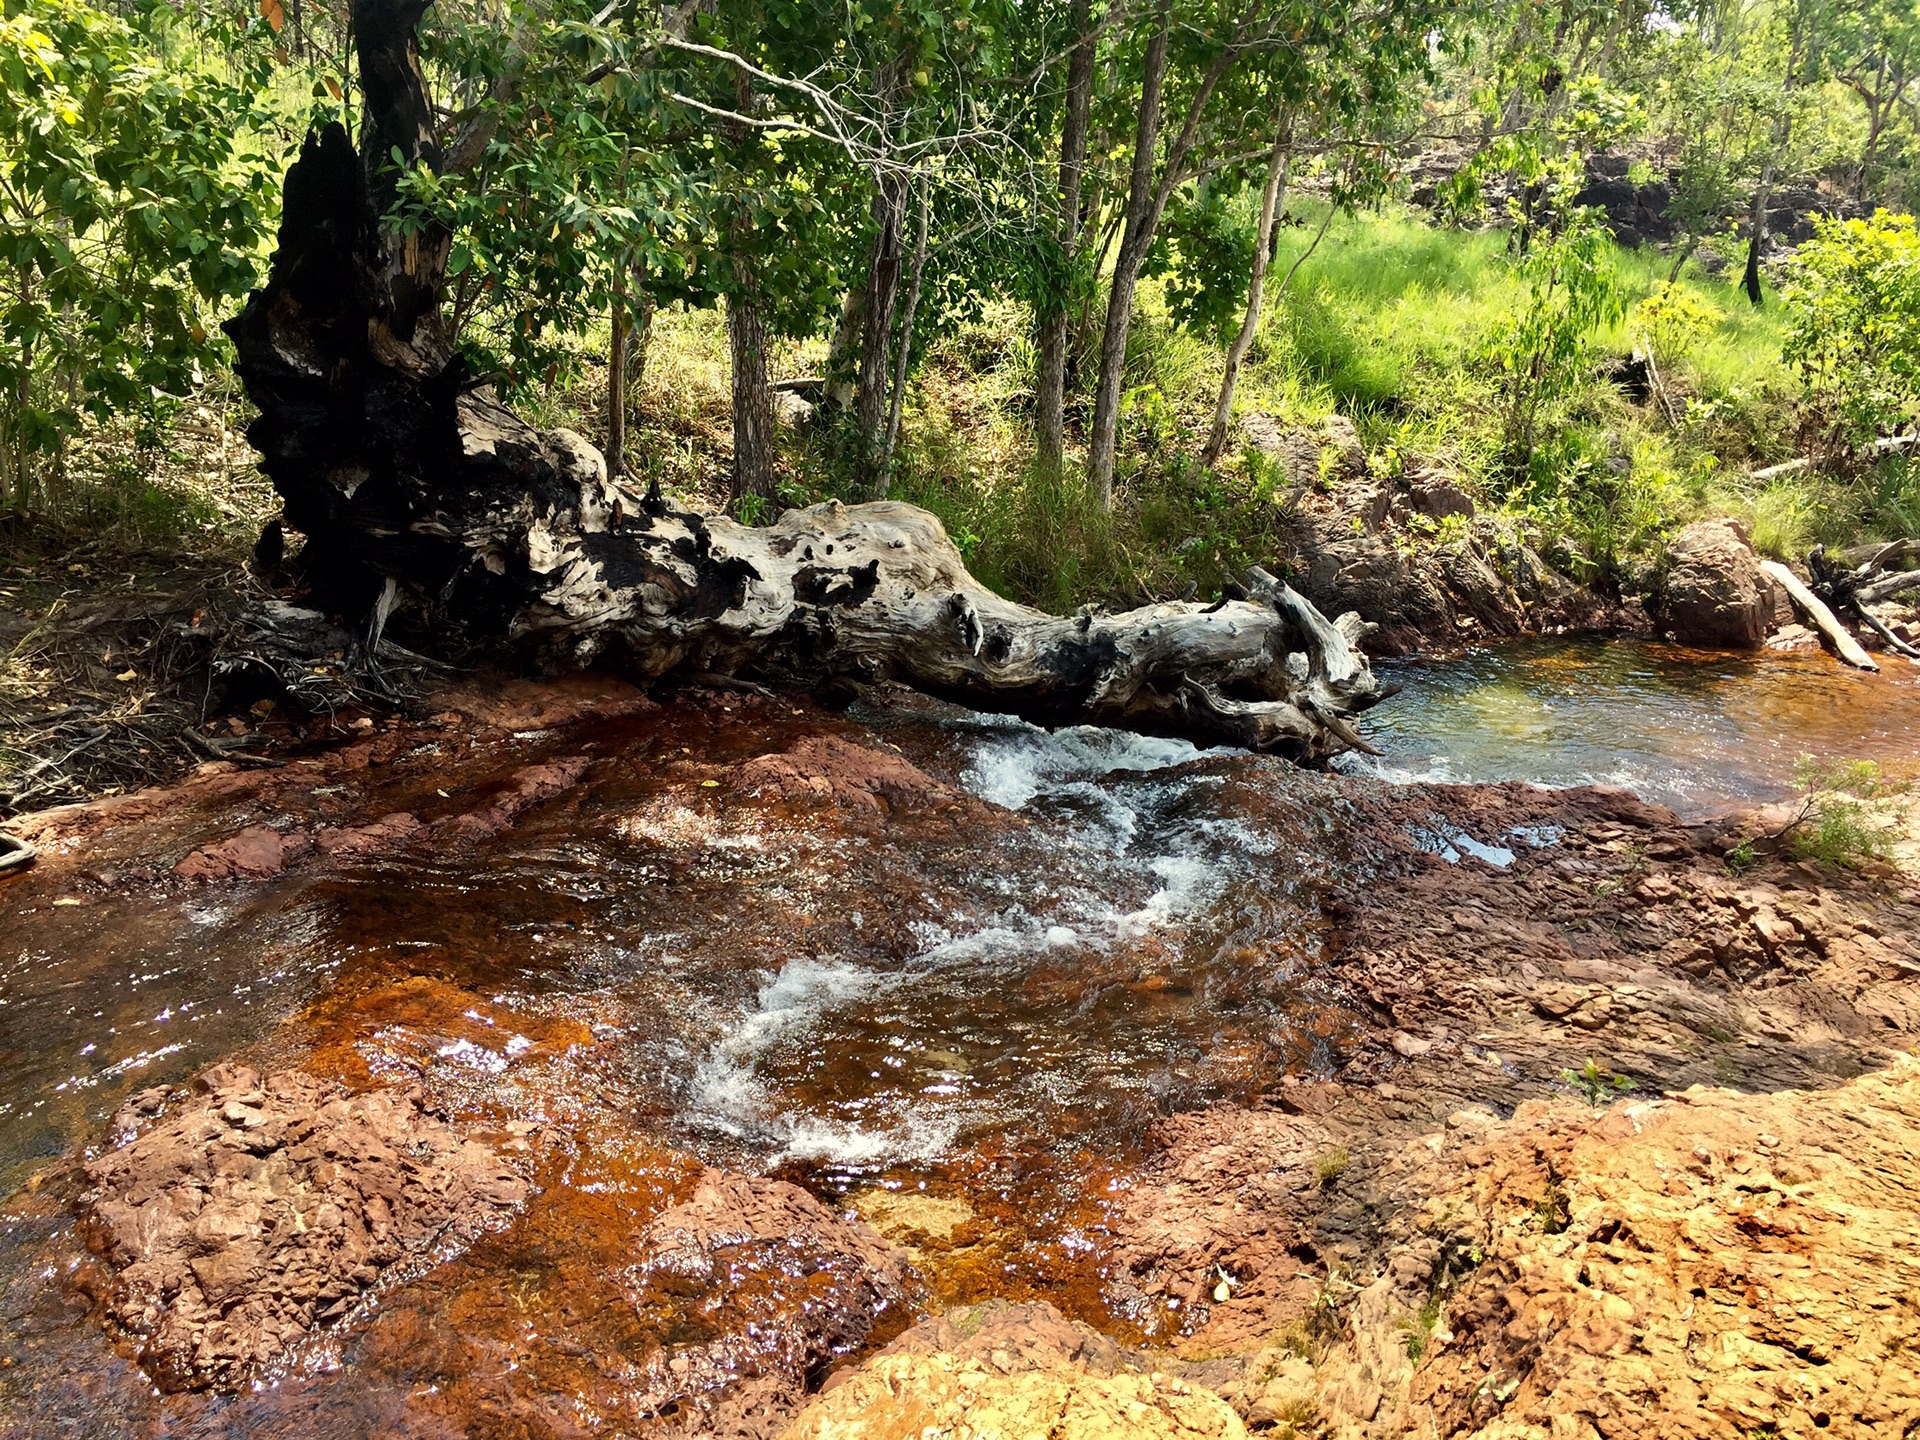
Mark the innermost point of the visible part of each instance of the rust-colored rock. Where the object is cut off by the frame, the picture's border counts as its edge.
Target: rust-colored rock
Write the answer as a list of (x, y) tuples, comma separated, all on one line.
[(255, 853), (754, 1287), (529, 787), (829, 770), (253, 1210), (338, 841)]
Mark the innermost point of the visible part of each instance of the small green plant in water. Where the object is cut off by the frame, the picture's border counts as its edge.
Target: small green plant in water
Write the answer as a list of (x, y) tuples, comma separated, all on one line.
[(1598, 1084)]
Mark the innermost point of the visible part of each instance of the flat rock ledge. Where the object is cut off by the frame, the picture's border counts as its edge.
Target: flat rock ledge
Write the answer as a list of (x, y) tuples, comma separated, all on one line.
[(244, 1213), (1002, 1369)]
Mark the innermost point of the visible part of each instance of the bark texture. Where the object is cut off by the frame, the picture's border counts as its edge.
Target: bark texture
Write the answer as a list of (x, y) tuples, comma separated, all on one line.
[(1051, 401), (752, 400), (618, 331), (416, 486), (876, 342)]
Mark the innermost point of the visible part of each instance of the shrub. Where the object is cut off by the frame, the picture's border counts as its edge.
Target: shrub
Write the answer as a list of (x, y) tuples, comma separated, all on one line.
[(1843, 819), (132, 203), (1600, 1085), (1853, 304)]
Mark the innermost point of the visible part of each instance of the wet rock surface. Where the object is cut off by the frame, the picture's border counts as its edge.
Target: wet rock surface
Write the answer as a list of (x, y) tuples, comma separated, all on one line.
[(1254, 1074), (770, 1261), (250, 1210), (865, 780)]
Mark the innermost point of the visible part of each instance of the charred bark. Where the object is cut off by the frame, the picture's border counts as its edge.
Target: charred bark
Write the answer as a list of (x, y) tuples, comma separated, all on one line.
[(414, 483)]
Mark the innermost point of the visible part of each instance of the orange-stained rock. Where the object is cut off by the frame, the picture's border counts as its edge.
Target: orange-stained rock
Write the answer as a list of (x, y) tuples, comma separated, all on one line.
[(1709, 1266)]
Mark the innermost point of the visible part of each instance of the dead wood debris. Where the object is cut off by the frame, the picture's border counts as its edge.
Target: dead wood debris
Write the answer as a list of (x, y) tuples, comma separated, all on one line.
[(111, 685)]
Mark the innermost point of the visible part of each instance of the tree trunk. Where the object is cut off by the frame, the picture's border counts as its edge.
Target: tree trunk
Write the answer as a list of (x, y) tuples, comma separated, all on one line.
[(1050, 403), (641, 339), (1126, 272), (1271, 199), (1146, 203), (747, 335), (415, 485), (1757, 235), (752, 397), (617, 381), (876, 347), (843, 350), (897, 403), (1782, 132)]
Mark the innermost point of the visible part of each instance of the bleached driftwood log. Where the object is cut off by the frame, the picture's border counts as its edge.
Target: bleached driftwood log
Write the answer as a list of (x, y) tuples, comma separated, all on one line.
[(416, 487), (1816, 614)]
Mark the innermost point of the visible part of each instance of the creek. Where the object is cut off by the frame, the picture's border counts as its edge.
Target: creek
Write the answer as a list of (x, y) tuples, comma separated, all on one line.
[(967, 1007)]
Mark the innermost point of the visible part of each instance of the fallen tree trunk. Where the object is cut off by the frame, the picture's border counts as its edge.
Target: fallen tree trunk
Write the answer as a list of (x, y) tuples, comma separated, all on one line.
[(1816, 614), (1848, 591), (416, 487)]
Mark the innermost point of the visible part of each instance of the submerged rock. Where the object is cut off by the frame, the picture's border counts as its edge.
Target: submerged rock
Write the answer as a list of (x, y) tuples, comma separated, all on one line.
[(260, 1209), (754, 1287), (1715, 595)]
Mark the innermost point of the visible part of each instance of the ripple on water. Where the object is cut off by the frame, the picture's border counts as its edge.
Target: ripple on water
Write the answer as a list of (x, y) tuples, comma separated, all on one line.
[(1098, 993)]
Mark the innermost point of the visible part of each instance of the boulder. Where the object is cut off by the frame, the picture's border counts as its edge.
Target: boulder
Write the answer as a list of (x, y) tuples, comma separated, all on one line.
[(1714, 594)]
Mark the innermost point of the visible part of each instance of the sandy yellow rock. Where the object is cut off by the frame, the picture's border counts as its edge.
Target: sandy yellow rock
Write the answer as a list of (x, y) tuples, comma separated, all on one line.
[(949, 1397)]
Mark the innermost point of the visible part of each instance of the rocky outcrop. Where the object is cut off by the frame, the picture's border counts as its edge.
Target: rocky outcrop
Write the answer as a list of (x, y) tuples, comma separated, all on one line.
[(1636, 210), (1410, 553), (246, 1212), (1712, 1265), (1714, 594), (1013, 1370)]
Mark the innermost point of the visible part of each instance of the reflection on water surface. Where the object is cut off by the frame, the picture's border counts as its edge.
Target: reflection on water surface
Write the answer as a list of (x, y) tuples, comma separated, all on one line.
[(1700, 731)]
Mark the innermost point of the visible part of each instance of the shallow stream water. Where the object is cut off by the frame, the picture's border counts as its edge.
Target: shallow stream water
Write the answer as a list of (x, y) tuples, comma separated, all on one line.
[(1703, 732), (981, 1009)]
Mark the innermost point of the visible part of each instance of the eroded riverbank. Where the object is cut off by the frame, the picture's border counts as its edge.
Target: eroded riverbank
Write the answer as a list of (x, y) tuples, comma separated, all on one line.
[(1173, 1042)]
